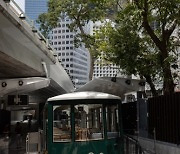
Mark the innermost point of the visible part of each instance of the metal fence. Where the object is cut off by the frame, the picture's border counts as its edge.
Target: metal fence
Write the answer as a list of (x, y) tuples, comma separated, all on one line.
[(164, 117)]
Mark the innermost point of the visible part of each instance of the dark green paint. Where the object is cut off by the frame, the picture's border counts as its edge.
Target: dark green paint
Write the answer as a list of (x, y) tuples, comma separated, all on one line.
[(104, 146)]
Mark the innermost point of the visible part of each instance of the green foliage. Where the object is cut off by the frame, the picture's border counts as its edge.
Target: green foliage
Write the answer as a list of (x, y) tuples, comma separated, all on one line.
[(140, 39)]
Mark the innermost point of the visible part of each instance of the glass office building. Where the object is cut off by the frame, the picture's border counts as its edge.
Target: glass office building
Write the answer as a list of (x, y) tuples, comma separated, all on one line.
[(33, 8)]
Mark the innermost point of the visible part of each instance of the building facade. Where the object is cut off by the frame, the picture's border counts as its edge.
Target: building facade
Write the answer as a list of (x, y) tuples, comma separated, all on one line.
[(74, 60)]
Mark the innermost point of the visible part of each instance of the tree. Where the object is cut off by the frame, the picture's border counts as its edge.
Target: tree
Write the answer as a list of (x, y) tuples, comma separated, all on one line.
[(150, 47), (80, 13), (139, 47), (167, 15), (123, 46)]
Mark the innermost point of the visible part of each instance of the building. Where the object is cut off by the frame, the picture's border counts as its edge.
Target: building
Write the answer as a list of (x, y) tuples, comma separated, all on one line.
[(33, 8), (74, 60), (101, 67)]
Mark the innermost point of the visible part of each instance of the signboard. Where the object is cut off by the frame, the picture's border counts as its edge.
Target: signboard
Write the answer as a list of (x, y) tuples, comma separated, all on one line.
[(18, 99)]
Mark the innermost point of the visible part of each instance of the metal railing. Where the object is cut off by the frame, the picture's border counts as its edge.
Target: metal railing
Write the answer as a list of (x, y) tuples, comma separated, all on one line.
[(132, 146)]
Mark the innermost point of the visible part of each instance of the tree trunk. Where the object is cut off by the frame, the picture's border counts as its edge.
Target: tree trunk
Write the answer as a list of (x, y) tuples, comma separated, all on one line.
[(151, 84), (168, 83), (91, 67)]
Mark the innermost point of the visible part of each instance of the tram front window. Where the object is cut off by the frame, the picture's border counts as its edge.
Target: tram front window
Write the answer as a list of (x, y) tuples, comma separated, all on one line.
[(61, 123), (112, 121), (88, 122)]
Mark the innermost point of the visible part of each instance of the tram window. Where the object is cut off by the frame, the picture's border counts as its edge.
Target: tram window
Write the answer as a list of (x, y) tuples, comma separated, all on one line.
[(88, 122), (61, 123), (112, 120)]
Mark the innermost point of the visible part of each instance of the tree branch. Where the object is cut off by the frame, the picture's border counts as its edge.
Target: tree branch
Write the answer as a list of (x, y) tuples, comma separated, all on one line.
[(148, 28)]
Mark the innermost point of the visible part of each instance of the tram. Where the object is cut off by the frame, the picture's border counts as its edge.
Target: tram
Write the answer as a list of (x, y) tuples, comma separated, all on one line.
[(84, 123)]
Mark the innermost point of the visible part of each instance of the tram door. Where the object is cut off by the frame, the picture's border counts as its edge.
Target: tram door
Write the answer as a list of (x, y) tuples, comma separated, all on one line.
[(84, 129)]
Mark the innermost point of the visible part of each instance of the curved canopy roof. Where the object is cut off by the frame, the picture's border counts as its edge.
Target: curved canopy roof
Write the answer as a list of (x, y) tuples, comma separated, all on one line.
[(83, 95)]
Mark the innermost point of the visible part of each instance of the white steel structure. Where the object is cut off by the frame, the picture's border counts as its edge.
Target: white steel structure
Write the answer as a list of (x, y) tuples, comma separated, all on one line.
[(74, 60)]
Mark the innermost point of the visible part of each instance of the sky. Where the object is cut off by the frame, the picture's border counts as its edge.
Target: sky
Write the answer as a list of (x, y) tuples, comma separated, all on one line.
[(20, 3)]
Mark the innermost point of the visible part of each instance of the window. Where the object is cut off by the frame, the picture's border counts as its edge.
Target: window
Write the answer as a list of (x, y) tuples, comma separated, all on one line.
[(88, 122), (67, 36), (112, 119), (61, 123), (67, 42), (63, 36)]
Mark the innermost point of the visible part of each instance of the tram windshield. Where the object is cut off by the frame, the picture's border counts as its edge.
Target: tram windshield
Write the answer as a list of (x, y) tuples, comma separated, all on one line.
[(88, 122)]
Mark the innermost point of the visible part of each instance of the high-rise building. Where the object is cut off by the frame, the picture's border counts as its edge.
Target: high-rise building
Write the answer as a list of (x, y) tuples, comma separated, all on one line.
[(33, 8), (101, 67), (74, 60)]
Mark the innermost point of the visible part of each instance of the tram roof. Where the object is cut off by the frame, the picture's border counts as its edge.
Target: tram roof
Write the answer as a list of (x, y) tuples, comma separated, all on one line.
[(83, 95)]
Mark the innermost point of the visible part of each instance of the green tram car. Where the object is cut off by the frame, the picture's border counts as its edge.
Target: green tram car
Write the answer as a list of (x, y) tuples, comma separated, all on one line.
[(84, 123)]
